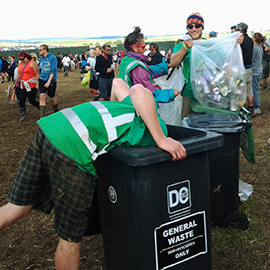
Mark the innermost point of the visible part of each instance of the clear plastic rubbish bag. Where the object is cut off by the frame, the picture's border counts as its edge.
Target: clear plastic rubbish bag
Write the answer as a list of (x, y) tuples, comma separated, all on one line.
[(217, 72), (171, 112)]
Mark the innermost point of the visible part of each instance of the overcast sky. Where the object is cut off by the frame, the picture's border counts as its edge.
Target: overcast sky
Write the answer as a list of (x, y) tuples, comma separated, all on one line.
[(58, 18)]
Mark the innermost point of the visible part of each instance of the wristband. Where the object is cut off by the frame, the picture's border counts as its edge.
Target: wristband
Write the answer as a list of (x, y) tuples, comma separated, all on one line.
[(184, 45)]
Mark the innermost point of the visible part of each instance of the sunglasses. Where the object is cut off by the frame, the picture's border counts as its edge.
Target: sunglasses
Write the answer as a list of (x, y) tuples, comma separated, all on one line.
[(197, 26), (21, 59), (138, 45)]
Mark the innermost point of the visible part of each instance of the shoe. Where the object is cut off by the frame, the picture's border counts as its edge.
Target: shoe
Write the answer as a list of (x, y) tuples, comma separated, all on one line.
[(23, 111), (257, 111)]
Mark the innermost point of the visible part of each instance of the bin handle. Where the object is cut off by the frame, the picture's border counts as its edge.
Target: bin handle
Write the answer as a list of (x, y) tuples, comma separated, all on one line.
[(247, 124)]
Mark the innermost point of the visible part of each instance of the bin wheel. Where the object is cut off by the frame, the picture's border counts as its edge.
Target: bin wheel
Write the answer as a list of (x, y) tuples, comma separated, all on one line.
[(236, 220)]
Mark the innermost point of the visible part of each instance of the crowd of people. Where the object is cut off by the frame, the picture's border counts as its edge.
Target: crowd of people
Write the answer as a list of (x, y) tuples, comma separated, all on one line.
[(93, 128), (34, 78), (256, 57), (104, 65), (7, 68)]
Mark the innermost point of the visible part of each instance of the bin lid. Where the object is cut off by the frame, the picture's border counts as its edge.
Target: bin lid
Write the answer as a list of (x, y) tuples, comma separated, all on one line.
[(219, 122), (194, 140)]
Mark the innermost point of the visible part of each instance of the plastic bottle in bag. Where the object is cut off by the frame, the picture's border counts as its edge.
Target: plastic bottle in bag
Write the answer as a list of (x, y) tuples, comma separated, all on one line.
[(233, 101), (199, 90), (220, 82), (218, 101), (241, 94)]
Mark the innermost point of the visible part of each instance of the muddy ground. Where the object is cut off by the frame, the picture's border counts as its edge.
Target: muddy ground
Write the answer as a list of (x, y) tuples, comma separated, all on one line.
[(31, 243)]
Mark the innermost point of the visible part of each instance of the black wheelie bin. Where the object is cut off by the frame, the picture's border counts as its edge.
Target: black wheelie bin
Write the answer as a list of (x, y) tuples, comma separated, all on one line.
[(155, 213), (224, 166)]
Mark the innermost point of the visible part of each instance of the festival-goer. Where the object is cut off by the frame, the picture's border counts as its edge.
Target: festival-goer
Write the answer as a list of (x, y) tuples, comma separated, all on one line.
[(104, 66), (134, 70), (34, 57), (59, 61), (57, 169), (257, 70), (4, 69), (247, 50), (265, 64), (163, 52), (154, 57), (212, 34), (11, 67), (83, 62), (66, 64), (91, 63), (28, 82), (233, 29), (182, 52), (98, 50), (47, 79)]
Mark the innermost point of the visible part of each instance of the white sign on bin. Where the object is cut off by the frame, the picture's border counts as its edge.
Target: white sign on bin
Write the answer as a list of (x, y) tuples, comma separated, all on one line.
[(180, 240)]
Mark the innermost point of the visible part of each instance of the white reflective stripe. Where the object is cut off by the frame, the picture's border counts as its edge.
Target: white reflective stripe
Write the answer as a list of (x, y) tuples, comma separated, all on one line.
[(94, 156), (112, 122), (117, 121), (107, 120), (123, 119), (101, 151), (130, 65), (80, 128)]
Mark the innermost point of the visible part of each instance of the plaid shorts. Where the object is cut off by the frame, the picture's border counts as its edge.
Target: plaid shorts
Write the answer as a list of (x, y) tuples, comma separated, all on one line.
[(46, 179)]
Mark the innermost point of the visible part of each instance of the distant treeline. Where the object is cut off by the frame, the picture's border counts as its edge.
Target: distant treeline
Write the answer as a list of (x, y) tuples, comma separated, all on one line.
[(166, 45)]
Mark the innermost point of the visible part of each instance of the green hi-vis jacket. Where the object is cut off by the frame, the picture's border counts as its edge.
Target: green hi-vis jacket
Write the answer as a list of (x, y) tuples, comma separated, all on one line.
[(90, 129), (127, 64)]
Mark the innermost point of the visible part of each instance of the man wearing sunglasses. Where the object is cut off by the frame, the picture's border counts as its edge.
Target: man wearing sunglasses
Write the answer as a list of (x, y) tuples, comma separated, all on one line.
[(182, 52), (47, 79), (104, 65)]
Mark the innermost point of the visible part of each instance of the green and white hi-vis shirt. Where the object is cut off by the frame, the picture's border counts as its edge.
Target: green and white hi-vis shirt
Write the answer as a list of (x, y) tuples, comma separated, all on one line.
[(88, 130)]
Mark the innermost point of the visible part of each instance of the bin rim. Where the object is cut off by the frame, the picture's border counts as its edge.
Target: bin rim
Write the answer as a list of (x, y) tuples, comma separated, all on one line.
[(142, 156), (237, 124)]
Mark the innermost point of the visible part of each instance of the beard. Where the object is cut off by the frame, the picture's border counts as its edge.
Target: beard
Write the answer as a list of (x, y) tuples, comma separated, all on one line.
[(196, 35)]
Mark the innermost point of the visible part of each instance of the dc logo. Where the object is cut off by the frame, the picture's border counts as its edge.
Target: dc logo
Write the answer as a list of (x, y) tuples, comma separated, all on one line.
[(178, 196), (112, 194)]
